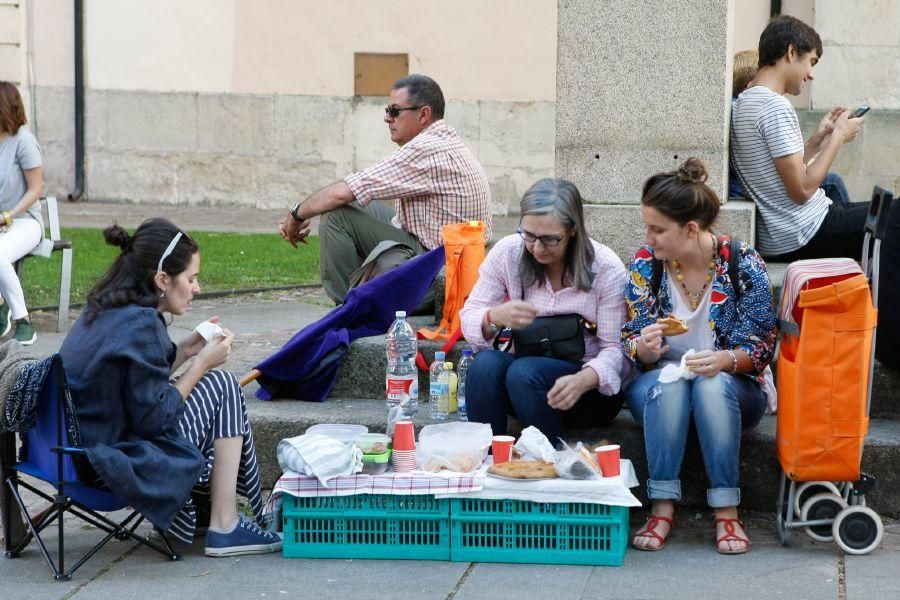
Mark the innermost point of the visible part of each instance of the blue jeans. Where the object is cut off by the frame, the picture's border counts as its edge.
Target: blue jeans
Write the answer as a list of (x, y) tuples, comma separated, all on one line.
[(833, 185), (720, 408), (498, 384)]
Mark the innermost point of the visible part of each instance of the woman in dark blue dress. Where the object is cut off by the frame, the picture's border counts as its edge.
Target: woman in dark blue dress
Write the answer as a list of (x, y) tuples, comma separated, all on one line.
[(164, 446)]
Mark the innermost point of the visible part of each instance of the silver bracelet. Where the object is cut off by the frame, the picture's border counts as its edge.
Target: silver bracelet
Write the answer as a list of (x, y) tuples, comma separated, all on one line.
[(733, 361)]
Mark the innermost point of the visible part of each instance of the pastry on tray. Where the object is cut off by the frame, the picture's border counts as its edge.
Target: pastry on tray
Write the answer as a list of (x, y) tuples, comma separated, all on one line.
[(673, 326), (524, 469)]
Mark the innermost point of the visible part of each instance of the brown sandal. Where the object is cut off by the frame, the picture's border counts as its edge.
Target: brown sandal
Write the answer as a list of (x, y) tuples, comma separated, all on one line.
[(649, 531), (731, 536)]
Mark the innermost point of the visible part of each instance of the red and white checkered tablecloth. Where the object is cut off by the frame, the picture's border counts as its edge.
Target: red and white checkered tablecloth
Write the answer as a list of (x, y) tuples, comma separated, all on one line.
[(400, 484)]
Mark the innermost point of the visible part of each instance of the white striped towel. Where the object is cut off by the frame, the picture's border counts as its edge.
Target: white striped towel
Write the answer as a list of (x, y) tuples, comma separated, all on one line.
[(320, 456)]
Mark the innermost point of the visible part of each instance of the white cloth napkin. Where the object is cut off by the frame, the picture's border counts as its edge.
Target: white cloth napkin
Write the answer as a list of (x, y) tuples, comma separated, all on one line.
[(673, 372), (209, 330)]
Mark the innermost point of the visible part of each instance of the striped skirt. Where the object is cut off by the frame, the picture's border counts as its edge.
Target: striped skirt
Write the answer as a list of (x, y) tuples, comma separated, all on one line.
[(216, 409)]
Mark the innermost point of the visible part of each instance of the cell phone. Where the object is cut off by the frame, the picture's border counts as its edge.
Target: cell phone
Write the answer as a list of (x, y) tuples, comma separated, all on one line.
[(859, 111)]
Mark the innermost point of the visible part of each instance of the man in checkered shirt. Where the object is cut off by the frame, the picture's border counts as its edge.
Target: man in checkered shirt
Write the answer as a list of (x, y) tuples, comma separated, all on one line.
[(432, 178)]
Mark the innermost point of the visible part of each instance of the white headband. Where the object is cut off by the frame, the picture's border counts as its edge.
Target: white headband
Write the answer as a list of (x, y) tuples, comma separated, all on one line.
[(168, 251)]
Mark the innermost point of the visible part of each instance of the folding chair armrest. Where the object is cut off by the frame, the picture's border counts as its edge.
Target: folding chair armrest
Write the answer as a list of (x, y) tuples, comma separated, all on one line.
[(73, 451)]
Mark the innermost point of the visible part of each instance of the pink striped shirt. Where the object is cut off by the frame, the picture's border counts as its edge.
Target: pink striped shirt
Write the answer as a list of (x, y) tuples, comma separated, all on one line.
[(498, 279), (435, 181)]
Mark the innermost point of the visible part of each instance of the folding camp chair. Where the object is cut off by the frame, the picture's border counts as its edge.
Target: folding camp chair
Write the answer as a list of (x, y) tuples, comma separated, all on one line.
[(50, 459)]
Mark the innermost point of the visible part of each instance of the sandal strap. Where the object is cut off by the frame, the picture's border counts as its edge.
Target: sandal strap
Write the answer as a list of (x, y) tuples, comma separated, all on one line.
[(649, 529), (730, 535)]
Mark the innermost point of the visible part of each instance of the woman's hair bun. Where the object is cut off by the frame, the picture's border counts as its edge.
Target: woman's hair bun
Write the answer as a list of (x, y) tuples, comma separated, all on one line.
[(115, 235), (692, 171)]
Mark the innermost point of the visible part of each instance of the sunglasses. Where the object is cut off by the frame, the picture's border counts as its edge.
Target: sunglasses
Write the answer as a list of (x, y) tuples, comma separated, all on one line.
[(549, 241), (394, 111)]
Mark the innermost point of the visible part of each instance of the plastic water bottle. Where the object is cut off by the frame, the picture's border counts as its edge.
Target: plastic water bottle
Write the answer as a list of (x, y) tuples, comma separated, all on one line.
[(439, 389), (401, 377), (454, 387), (462, 370)]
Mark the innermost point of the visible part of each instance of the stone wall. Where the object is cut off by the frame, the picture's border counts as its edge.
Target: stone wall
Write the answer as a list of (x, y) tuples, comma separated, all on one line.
[(860, 54), (873, 158), (640, 86), (265, 150)]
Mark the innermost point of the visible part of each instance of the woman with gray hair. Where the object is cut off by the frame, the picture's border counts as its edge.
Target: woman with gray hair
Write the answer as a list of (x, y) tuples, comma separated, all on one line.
[(558, 295)]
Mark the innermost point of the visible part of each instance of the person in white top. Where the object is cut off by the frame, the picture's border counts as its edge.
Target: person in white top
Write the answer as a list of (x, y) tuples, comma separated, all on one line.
[(21, 227), (722, 292)]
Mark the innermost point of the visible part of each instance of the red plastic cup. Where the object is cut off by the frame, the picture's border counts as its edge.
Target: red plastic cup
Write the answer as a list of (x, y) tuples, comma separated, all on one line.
[(608, 457), (404, 461), (404, 436), (501, 447)]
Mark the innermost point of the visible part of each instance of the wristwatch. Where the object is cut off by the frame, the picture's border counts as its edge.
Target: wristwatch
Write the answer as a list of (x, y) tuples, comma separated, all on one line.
[(294, 210)]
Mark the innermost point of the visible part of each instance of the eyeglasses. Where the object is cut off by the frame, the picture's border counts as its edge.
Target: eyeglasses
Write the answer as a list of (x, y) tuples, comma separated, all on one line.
[(394, 111), (549, 241)]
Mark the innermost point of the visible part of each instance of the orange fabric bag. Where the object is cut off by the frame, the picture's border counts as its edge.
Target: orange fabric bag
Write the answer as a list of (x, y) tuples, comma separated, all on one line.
[(823, 378), (464, 246)]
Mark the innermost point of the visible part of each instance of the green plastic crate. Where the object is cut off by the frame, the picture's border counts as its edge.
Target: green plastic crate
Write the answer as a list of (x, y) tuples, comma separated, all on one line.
[(518, 531), (367, 526)]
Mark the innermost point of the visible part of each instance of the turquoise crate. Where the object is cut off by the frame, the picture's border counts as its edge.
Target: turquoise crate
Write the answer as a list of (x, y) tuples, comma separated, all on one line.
[(518, 531), (367, 526)]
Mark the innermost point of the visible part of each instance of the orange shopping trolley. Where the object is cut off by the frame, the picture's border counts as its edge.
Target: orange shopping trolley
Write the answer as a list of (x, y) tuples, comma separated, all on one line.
[(827, 316)]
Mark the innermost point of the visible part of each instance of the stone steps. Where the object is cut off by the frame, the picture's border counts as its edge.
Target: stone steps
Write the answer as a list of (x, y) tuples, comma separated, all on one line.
[(362, 373), (273, 421)]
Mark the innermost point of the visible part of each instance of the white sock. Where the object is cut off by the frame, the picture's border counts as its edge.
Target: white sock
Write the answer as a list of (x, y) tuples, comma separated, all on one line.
[(228, 529)]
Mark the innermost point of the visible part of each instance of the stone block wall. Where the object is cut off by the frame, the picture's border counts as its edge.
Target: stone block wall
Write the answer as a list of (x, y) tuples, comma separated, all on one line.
[(640, 86), (265, 151), (873, 158)]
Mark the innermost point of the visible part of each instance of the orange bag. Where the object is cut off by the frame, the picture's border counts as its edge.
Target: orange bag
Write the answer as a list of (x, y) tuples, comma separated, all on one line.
[(823, 378), (464, 245)]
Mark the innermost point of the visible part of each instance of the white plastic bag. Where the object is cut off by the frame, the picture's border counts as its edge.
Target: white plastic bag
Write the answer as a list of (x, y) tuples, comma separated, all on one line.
[(576, 463), (534, 445), (459, 446)]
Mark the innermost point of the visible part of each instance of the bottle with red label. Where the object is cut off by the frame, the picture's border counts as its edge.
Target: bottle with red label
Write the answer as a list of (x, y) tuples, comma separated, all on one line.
[(402, 377)]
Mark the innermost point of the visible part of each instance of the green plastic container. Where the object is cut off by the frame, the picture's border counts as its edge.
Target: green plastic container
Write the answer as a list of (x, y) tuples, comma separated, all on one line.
[(367, 526), (518, 531)]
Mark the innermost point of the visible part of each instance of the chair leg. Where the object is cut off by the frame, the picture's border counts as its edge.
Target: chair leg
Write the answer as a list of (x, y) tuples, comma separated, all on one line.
[(65, 289)]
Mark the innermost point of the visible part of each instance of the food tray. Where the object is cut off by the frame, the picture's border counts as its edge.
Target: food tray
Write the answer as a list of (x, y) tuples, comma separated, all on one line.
[(367, 526), (520, 531)]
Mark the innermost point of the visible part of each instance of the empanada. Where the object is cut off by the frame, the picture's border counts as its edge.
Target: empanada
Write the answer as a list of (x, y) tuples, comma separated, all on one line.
[(524, 469), (673, 326)]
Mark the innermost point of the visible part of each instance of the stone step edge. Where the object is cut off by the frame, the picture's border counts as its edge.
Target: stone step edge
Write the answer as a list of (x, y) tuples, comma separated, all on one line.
[(276, 420)]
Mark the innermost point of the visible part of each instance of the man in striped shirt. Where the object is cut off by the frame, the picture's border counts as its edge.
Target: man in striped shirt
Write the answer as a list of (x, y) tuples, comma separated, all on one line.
[(432, 178), (795, 219)]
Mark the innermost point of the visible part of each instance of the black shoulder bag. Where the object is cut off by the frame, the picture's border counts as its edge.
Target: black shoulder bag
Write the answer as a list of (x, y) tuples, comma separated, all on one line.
[(556, 336)]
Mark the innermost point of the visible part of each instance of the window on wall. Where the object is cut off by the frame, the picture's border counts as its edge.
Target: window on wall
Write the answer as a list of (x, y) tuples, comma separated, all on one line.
[(374, 73)]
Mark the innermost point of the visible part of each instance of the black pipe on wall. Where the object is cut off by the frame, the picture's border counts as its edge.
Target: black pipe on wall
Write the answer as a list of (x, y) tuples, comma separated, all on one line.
[(78, 192)]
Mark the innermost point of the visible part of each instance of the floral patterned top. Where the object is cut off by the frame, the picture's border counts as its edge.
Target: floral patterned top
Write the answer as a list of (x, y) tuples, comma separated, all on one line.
[(748, 323)]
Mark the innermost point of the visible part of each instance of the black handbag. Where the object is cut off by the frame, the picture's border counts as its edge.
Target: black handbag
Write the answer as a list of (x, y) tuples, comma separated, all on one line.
[(558, 336)]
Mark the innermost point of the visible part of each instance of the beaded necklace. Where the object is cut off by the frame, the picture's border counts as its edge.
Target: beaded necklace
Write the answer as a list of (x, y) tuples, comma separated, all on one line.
[(695, 297)]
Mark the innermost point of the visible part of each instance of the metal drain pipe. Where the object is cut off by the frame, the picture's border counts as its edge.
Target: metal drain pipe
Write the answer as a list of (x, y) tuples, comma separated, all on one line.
[(78, 192)]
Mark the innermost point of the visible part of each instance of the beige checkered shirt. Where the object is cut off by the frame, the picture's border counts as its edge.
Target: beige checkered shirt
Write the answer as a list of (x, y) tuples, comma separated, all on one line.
[(433, 179)]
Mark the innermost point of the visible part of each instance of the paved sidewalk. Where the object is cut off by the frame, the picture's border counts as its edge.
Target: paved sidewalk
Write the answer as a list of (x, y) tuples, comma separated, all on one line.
[(688, 568)]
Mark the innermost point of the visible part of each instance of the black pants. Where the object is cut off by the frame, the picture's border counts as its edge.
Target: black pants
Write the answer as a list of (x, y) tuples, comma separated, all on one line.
[(841, 234)]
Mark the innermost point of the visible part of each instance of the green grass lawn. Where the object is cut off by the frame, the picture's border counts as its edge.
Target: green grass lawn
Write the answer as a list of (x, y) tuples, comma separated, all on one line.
[(229, 261)]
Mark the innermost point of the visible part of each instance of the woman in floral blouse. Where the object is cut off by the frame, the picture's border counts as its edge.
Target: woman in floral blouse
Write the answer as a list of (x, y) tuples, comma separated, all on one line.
[(683, 271)]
